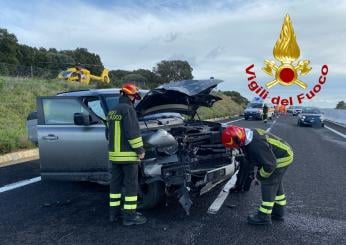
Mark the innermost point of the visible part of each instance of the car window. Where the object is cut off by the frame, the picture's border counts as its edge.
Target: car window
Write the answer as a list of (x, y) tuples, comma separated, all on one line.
[(311, 111), (255, 105), (61, 111), (95, 106), (112, 101)]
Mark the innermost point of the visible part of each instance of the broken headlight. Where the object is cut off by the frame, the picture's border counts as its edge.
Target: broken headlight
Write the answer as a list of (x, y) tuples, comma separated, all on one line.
[(168, 150)]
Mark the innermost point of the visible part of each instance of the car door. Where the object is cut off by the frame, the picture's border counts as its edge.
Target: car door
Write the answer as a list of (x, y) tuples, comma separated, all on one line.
[(65, 148)]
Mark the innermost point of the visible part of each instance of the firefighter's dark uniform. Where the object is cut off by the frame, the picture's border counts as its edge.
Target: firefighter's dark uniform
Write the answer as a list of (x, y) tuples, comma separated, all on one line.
[(265, 112), (125, 144), (272, 155)]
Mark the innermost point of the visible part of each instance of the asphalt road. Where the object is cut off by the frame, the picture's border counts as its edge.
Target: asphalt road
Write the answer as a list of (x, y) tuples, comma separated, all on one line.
[(76, 213)]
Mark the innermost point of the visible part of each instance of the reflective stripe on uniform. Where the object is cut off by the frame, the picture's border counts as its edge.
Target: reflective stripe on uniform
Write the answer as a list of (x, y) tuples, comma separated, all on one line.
[(266, 207), (264, 210), (281, 203), (117, 133), (280, 200), (136, 143), (130, 206), (260, 131), (280, 197), (115, 196), (124, 159), (269, 204), (278, 143), (284, 159), (114, 204), (264, 174), (122, 156), (130, 198)]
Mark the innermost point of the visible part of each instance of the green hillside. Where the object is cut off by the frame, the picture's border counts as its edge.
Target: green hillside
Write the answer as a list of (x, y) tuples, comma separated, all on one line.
[(225, 107), (18, 99)]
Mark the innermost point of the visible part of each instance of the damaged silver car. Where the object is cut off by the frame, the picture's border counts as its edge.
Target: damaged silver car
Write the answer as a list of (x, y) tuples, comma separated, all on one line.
[(184, 155)]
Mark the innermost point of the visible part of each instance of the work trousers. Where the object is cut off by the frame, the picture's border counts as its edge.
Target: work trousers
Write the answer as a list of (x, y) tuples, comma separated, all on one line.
[(124, 181), (273, 191)]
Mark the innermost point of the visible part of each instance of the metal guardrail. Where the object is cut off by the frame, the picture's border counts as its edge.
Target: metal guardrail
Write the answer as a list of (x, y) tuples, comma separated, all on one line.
[(335, 115)]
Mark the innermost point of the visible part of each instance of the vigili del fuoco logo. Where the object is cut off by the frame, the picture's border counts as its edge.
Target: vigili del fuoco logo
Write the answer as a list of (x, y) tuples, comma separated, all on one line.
[(288, 71)]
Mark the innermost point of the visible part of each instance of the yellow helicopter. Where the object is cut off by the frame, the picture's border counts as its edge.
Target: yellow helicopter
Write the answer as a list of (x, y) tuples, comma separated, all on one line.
[(83, 75)]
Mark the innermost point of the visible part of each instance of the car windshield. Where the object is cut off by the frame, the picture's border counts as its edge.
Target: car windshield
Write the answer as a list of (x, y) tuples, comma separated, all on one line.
[(254, 105), (311, 111)]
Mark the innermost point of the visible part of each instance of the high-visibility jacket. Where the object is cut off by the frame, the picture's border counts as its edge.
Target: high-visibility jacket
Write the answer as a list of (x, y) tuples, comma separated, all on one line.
[(125, 141), (268, 152)]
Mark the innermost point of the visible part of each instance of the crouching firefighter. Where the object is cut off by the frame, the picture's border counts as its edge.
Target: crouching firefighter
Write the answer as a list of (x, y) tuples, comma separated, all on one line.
[(125, 151), (272, 156)]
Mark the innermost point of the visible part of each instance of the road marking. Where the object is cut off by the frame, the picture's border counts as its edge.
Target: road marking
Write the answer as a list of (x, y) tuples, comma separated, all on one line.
[(336, 123), (334, 131), (270, 128), (19, 184), (217, 204), (226, 123), (236, 120)]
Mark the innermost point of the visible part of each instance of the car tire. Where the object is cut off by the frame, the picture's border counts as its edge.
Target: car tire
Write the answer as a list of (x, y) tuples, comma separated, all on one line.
[(322, 125), (246, 118), (151, 194), (299, 123)]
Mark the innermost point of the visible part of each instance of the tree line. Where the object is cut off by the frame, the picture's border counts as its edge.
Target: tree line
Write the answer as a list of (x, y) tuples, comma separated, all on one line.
[(341, 105), (17, 59)]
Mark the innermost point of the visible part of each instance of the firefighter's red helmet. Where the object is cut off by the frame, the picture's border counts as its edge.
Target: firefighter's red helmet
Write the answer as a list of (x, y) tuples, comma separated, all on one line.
[(233, 137), (131, 89)]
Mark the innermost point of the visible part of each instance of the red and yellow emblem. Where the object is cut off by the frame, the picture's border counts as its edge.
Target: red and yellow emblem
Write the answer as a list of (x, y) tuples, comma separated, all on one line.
[(286, 50)]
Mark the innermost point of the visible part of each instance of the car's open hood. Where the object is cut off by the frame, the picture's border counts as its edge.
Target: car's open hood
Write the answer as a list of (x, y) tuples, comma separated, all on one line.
[(184, 96)]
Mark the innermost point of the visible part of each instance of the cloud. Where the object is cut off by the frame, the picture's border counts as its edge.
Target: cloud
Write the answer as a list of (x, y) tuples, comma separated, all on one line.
[(219, 38), (215, 52)]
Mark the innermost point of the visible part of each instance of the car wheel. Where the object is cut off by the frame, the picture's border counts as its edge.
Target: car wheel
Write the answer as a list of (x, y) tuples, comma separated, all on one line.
[(322, 125), (246, 118), (299, 124), (151, 194)]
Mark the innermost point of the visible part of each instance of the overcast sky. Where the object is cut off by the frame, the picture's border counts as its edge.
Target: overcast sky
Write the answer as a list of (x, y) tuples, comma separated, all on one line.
[(218, 38)]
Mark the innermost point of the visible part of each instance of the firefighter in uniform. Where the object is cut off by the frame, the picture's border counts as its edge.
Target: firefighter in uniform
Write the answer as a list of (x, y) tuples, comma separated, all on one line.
[(125, 152), (272, 156), (265, 113)]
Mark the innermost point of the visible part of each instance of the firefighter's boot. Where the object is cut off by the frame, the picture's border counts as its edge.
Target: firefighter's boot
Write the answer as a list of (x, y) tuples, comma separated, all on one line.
[(114, 214), (133, 218), (278, 212), (259, 219)]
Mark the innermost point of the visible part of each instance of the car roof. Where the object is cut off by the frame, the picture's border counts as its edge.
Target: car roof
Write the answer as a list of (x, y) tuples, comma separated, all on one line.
[(94, 92)]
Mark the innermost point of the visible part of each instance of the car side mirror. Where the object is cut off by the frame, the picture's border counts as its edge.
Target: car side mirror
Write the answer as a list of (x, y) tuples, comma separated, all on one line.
[(81, 119)]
